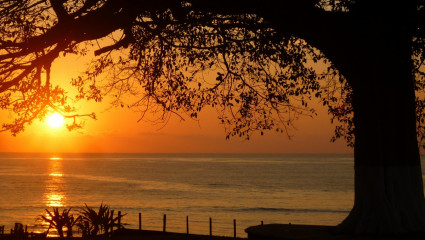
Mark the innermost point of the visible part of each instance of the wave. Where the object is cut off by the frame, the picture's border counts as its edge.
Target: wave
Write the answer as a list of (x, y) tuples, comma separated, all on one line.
[(22, 174), (266, 209), (219, 184), (140, 184)]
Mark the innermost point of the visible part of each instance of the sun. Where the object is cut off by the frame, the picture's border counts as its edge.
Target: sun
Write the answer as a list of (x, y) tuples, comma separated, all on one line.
[(55, 120)]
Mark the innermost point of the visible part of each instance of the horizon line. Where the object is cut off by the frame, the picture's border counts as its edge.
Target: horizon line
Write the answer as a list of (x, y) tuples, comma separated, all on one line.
[(186, 153)]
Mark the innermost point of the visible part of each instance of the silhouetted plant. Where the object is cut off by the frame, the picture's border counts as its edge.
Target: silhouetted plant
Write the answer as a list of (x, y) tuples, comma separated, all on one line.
[(109, 221), (92, 223), (70, 222), (58, 220)]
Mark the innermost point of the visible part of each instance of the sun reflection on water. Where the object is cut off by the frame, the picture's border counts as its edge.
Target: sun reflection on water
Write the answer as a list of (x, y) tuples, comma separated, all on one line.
[(55, 186), (56, 174)]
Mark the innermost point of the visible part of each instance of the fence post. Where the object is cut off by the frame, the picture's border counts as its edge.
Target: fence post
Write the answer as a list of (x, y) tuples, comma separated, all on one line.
[(165, 222), (187, 225), (140, 221), (210, 227), (234, 228), (119, 219)]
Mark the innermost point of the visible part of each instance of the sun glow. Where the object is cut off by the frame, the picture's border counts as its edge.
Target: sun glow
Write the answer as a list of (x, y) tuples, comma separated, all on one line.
[(55, 120)]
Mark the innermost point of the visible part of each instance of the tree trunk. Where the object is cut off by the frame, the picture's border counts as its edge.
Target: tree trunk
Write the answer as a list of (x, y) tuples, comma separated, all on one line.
[(69, 232), (60, 233), (389, 196)]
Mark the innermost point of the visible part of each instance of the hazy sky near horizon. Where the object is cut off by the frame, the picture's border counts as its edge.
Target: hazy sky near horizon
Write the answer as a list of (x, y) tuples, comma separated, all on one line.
[(117, 130)]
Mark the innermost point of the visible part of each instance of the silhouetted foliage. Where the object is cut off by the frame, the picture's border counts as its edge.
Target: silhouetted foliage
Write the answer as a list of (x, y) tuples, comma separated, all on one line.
[(263, 79), (90, 221), (58, 221), (103, 221)]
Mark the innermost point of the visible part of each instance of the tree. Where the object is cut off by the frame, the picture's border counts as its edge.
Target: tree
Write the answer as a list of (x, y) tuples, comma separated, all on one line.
[(263, 54)]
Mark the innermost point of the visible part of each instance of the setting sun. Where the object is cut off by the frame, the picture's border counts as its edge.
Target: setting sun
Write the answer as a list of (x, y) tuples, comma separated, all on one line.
[(55, 120)]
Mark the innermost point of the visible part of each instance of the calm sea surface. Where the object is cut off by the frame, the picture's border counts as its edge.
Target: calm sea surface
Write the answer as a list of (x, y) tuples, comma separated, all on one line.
[(274, 188)]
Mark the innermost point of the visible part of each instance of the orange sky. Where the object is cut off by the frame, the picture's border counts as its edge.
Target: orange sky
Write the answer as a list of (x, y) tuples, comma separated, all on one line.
[(117, 130)]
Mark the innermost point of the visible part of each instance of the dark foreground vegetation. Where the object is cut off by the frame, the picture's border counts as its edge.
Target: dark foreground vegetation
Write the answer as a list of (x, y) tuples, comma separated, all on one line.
[(92, 224), (100, 224)]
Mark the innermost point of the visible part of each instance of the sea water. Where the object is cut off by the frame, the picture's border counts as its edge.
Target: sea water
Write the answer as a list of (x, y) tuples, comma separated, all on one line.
[(273, 188)]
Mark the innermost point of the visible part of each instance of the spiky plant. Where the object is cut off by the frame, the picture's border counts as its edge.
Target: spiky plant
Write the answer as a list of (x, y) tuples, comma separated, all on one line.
[(90, 220), (58, 221), (70, 222), (93, 223)]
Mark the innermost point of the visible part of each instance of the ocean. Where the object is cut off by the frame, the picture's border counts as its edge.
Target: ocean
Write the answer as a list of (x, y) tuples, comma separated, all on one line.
[(250, 188)]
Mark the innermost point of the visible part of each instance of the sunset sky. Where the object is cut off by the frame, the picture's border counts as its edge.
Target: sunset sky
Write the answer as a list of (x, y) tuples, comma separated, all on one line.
[(117, 130)]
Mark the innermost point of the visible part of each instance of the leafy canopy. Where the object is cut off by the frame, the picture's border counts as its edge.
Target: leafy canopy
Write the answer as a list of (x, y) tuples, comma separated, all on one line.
[(177, 58)]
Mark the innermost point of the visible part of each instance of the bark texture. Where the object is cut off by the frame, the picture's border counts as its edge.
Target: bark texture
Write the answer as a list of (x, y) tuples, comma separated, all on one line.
[(388, 200), (389, 196)]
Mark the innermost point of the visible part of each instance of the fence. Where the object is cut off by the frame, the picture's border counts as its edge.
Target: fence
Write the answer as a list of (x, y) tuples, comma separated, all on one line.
[(164, 225), (19, 228)]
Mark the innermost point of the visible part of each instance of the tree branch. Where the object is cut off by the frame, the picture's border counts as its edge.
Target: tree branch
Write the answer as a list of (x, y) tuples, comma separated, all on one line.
[(60, 11), (128, 38)]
